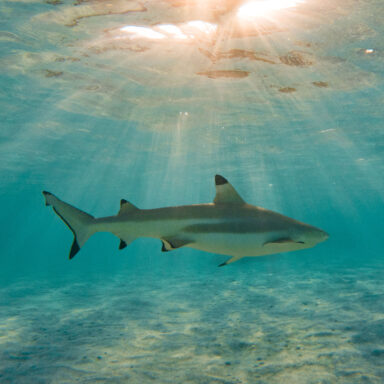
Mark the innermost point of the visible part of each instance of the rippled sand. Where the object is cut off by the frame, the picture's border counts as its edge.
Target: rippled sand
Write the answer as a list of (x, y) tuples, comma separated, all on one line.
[(313, 327)]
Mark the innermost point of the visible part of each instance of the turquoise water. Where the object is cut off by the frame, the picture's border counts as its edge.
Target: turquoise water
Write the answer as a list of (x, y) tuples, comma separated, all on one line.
[(288, 107)]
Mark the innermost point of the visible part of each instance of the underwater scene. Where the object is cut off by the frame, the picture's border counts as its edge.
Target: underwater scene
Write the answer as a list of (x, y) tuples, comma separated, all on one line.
[(149, 150)]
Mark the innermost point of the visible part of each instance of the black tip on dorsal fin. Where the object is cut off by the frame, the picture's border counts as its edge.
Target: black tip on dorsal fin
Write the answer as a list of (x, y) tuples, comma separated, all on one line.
[(122, 244), (126, 207), (220, 180)]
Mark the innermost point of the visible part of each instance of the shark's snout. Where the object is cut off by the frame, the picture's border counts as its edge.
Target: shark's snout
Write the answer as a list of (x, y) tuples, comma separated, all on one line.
[(311, 235), (318, 235), (324, 235)]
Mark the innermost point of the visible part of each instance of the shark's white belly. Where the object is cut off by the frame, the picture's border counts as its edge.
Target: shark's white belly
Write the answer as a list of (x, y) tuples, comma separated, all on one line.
[(241, 245), (229, 244)]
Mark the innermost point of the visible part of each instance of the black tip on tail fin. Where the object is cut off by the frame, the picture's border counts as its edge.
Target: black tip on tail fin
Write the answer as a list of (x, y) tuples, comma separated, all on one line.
[(45, 193), (222, 264), (220, 180), (74, 249)]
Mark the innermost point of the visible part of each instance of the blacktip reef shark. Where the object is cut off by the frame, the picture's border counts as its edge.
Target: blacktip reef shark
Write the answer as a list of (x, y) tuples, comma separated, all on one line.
[(228, 226)]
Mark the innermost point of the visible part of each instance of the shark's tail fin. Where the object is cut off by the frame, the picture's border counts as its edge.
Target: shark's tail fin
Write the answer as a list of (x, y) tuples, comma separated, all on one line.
[(79, 222)]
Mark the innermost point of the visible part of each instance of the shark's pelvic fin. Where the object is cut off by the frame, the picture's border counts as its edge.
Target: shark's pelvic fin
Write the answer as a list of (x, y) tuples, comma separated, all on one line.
[(126, 207), (231, 260), (225, 193), (79, 222), (174, 243), (122, 244)]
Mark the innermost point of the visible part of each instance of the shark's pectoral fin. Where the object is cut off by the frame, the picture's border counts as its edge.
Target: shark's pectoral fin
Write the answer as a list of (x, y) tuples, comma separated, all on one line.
[(174, 243), (229, 261)]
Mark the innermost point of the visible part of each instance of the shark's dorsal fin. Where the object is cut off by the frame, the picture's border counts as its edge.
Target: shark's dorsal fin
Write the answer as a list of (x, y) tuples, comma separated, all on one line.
[(225, 193), (126, 207)]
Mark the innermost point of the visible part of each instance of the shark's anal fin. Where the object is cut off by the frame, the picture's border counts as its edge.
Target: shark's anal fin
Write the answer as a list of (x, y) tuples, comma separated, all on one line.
[(225, 193), (229, 261), (174, 243), (122, 244)]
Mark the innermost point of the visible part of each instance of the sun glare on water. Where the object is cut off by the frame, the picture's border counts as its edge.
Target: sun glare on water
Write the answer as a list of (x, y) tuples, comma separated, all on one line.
[(262, 8), (184, 31), (196, 29), (142, 32)]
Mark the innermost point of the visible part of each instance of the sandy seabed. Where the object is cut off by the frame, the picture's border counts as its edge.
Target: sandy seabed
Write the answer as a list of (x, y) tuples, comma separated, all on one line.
[(299, 327)]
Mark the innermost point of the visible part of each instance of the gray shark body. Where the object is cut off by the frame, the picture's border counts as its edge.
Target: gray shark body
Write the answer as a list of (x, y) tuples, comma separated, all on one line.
[(228, 226)]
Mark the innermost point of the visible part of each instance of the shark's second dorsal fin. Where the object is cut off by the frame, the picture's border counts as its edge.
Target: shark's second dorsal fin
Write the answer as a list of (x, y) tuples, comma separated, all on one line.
[(225, 193), (126, 207)]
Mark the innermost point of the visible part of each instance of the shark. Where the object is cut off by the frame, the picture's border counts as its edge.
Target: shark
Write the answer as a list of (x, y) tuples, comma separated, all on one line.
[(228, 226)]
